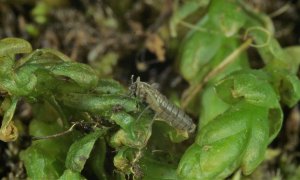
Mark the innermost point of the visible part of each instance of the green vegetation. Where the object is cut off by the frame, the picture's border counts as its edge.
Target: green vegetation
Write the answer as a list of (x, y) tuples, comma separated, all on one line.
[(99, 130)]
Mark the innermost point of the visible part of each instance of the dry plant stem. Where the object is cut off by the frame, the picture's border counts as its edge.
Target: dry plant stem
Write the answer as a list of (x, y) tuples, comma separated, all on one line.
[(192, 92), (56, 135), (200, 29), (194, 27), (281, 10)]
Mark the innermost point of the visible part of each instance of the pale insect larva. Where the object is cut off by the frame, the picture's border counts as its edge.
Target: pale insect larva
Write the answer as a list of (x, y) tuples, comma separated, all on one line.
[(164, 109)]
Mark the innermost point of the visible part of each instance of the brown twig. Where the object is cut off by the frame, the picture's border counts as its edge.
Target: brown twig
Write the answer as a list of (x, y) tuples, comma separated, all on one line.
[(192, 92), (58, 134)]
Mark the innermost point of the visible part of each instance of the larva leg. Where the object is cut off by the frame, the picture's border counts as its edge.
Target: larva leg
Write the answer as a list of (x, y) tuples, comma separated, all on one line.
[(142, 112), (157, 117)]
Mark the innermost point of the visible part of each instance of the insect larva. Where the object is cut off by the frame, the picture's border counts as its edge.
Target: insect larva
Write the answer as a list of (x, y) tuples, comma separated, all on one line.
[(164, 109)]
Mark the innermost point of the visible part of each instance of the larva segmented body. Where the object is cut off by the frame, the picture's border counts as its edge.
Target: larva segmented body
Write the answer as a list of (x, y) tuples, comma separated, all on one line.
[(164, 109)]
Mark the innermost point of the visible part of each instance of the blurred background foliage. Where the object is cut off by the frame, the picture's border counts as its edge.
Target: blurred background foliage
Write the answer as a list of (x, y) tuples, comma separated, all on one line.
[(175, 44)]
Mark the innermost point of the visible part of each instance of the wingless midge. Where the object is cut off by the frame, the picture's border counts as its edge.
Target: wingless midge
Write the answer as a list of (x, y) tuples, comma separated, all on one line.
[(163, 108)]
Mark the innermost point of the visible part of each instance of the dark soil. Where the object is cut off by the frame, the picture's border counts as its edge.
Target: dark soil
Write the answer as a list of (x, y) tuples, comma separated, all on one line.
[(114, 33)]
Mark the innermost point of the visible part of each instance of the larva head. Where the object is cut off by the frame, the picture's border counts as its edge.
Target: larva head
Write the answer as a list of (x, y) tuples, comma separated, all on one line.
[(134, 88), (139, 88)]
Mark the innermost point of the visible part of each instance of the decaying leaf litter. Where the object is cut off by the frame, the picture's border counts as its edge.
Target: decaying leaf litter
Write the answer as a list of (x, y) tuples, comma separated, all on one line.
[(121, 39)]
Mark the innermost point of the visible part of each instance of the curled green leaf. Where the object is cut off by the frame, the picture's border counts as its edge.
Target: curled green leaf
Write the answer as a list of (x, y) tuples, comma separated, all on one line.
[(41, 165), (236, 138), (135, 131), (109, 86), (197, 51), (255, 87), (11, 46), (227, 16), (80, 151), (209, 112), (44, 159), (82, 74), (99, 104), (123, 159), (8, 131), (189, 7), (294, 54), (287, 85), (251, 86), (43, 57)]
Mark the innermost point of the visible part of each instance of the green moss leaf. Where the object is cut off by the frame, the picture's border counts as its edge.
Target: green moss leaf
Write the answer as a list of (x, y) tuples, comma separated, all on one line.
[(236, 138), (123, 159), (189, 7), (99, 104), (8, 132), (197, 51), (209, 112), (152, 168), (80, 151), (80, 73), (97, 159), (40, 164), (251, 86), (109, 86), (45, 158), (136, 130), (287, 85), (69, 174), (294, 55), (227, 16), (11, 46), (257, 88)]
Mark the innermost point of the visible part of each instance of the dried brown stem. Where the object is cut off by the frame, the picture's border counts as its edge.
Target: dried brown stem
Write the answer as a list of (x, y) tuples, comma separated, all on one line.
[(192, 92)]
